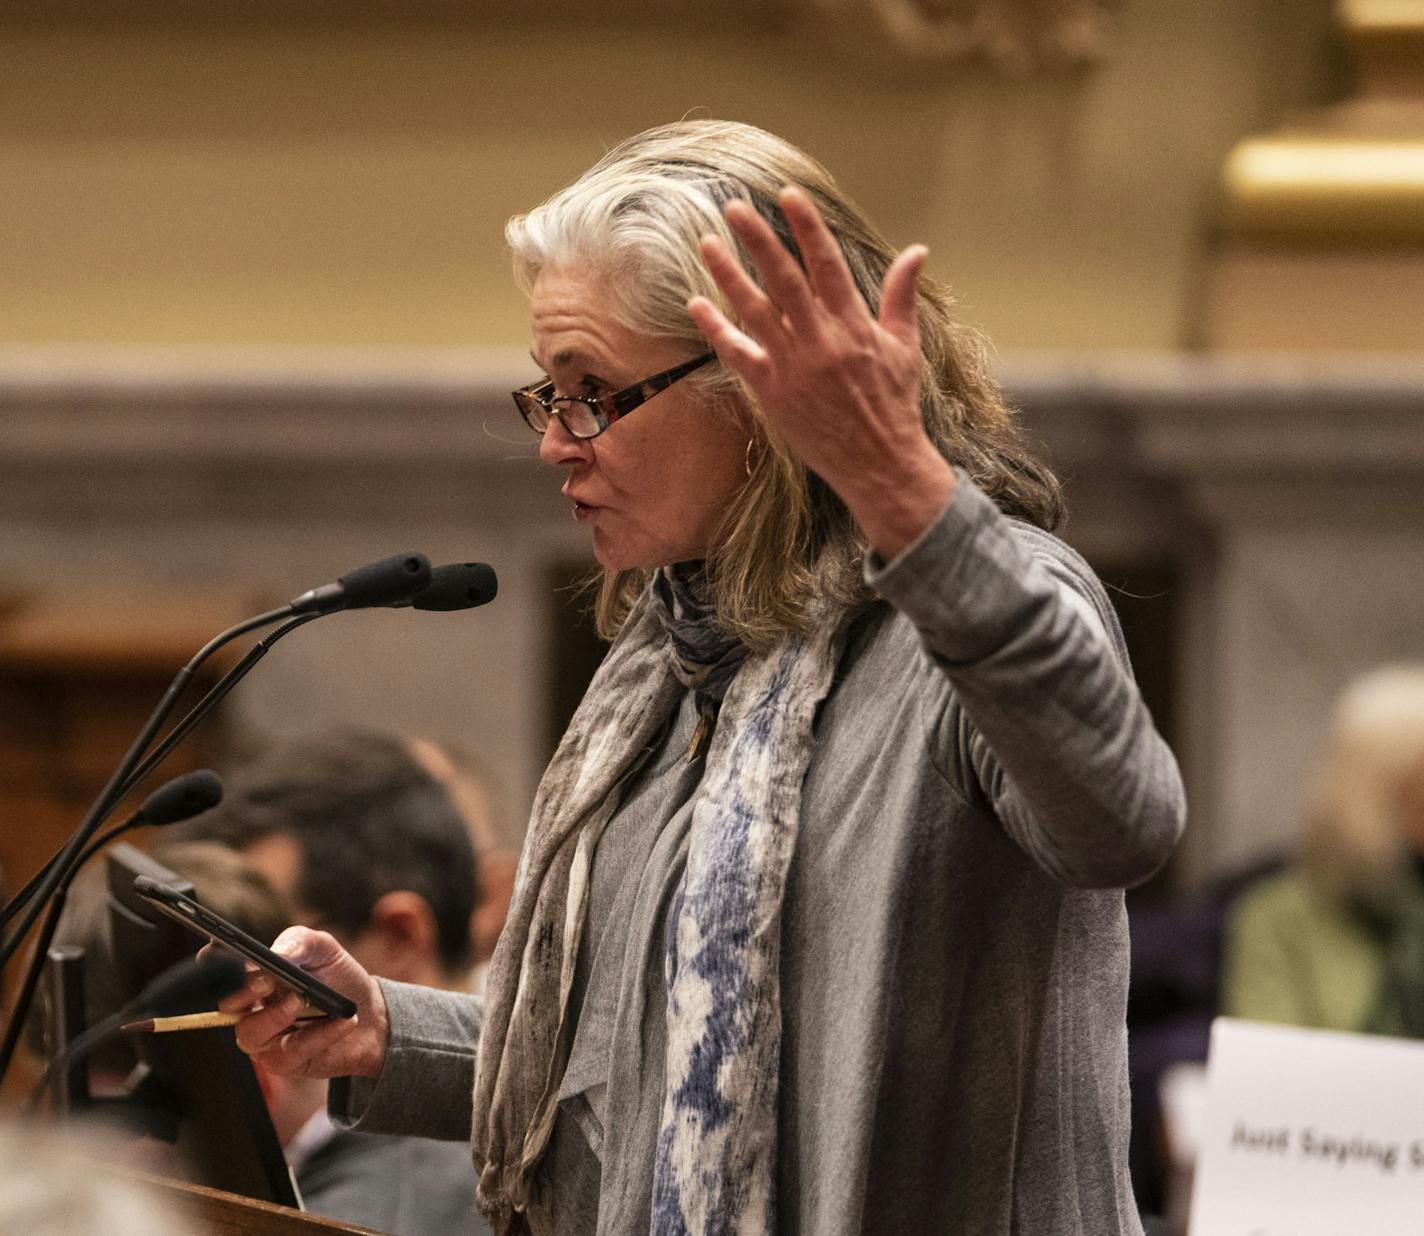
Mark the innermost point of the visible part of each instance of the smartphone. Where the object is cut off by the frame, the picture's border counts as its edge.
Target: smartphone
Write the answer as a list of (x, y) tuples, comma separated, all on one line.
[(198, 918)]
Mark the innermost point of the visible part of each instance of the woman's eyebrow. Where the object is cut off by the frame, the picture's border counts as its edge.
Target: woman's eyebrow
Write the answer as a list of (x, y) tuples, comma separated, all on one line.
[(569, 357)]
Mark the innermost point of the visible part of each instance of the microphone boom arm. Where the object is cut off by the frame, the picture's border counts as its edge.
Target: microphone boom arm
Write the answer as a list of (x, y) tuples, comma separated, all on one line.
[(118, 782)]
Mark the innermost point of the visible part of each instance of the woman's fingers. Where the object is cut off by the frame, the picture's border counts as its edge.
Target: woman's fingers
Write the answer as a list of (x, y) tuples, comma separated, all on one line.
[(733, 347), (312, 950), (257, 986), (751, 304), (826, 267), (255, 991), (897, 295), (336, 1046), (809, 330), (311, 1051), (300, 945), (785, 281), (256, 1031), (806, 302)]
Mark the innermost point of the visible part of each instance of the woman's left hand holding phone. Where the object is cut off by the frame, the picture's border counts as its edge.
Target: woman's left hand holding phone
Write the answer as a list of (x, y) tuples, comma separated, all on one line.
[(334, 1047)]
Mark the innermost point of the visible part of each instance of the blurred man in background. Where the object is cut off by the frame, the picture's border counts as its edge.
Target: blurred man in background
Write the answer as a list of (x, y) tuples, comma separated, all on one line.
[(406, 1186), (468, 786), (363, 840)]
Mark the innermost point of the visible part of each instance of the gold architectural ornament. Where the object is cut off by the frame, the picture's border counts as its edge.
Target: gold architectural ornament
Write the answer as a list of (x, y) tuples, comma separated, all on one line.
[(1354, 171), (1017, 36), (1386, 41), (1329, 188), (1321, 244)]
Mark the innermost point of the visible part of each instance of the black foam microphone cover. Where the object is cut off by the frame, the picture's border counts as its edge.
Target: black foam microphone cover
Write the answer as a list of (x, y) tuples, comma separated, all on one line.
[(384, 583), (387, 582), (208, 979), (183, 797), (460, 585)]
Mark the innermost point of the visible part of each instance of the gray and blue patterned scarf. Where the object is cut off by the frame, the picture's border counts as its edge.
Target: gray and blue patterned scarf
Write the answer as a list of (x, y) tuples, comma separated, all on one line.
[(715, 1169)]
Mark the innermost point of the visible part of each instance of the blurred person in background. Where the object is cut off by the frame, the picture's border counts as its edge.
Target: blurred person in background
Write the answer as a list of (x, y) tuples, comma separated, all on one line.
[(58, 1182), (406, 1186), (366, 836), (469, 785), (1337, 940)]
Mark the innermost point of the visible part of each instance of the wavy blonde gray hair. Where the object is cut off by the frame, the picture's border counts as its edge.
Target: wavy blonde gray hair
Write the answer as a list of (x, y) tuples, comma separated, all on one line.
[(636, 218), (1354, 837)]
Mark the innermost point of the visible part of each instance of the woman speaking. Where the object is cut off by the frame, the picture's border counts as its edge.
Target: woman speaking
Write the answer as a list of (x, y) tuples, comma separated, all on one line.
[(819, 924)]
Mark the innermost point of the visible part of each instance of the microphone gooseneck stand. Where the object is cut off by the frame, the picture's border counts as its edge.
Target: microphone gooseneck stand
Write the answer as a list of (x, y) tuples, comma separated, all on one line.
[(387, 582), (109, 795), (398, 581), (179, 799), (208, 977), (159, 753)]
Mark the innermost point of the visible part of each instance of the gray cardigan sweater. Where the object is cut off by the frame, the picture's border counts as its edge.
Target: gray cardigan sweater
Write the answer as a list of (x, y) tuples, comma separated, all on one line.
[(985, 781)]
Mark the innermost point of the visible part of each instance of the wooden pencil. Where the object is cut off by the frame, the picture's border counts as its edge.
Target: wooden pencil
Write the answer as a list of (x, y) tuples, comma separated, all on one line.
[(196, 1021)]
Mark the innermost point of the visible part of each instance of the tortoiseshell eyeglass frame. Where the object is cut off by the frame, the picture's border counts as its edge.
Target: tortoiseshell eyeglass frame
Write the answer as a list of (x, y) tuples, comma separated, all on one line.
[(537, 403)]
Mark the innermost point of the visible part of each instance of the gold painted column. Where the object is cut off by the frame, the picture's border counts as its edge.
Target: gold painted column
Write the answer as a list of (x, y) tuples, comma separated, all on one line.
[(1322, 231)]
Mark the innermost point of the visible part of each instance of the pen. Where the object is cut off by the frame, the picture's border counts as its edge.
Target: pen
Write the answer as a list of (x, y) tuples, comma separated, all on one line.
[(196, 1021)]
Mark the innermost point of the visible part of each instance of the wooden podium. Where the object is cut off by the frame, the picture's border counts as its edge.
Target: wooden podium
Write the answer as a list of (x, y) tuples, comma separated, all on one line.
[(227, 1214)]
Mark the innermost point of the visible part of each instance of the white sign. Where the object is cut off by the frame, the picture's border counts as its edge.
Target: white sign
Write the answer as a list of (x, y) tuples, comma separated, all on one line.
[(1310, 1133)]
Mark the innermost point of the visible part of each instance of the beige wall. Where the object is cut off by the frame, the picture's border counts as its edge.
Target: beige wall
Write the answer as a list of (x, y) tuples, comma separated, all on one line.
[(340, 194), (325, 185)]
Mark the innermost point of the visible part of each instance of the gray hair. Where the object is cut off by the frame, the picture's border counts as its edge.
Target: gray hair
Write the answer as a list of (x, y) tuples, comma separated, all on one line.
[(1353, 840), (636, 218)]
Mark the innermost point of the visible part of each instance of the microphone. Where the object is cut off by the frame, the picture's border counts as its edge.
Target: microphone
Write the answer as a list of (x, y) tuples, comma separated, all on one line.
[(458, 585), (179, 799), (194, 980), (461, 585), (387, 582), (172, 802), (207, 978)]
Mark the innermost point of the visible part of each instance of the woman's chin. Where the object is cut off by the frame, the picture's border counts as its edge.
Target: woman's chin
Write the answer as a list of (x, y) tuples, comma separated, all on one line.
[(616, 562), (619, 545), (613, 555)]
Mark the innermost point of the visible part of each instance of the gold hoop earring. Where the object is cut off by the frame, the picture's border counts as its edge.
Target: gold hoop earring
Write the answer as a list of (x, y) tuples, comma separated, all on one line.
[(747, 458)]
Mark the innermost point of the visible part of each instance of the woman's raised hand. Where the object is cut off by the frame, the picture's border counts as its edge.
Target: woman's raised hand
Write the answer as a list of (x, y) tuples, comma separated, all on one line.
[(839, 385), (337, 1047)]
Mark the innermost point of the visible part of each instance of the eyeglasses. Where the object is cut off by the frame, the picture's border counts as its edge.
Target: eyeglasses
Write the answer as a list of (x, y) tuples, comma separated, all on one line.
[(587, 416)]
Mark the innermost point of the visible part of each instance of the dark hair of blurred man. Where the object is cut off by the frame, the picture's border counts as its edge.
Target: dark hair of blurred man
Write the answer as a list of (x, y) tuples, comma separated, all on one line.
[(364, 843)]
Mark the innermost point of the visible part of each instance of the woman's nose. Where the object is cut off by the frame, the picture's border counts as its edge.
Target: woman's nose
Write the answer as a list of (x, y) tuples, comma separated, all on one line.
[(559, 446)]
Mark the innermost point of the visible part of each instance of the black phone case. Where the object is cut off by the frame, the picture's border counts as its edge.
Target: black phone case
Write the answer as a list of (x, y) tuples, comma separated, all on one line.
[(203, 921)]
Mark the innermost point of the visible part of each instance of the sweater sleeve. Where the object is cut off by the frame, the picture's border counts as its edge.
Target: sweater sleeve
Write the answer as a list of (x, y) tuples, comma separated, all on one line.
[(426, 1087), (1042, 706)]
